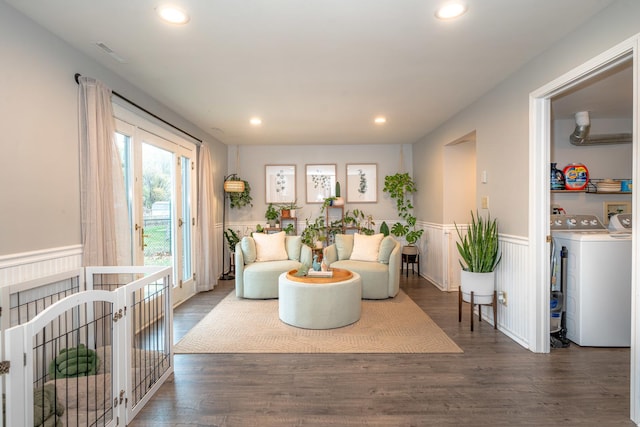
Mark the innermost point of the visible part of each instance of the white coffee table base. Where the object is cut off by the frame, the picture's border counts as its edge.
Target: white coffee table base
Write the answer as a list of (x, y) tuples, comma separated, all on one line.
[(320, 306)]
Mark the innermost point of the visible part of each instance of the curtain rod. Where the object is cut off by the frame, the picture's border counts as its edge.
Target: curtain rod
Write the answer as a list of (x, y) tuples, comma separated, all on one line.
[(77, 76)]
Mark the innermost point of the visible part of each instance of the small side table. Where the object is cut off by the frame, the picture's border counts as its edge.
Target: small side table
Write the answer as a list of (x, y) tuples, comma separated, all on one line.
[(410, 257)]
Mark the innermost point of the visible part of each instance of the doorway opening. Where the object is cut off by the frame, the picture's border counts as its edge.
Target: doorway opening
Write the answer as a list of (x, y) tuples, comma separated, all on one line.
[(459, 194), (543, 103)]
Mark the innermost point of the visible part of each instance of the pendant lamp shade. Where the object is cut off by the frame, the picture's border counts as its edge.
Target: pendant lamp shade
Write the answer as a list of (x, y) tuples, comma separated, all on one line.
[(234, 186)]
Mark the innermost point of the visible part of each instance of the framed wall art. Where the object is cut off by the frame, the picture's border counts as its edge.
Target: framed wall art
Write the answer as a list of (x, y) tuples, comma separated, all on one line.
[(362, 183), (320, 182), (612, 208), (280, 183)]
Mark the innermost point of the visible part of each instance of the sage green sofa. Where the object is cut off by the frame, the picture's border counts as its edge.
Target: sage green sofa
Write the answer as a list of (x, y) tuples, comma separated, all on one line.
[(375, 258), (260, 259)]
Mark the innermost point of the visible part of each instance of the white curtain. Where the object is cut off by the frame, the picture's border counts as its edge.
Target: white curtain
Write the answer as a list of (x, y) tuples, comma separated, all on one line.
[(105, 225), (206, 241)]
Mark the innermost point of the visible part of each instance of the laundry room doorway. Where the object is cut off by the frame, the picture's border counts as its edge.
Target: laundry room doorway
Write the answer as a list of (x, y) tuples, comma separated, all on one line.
[(540, 139)]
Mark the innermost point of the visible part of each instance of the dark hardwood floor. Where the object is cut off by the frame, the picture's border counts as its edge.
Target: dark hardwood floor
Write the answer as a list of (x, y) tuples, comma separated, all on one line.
[(495, 382)]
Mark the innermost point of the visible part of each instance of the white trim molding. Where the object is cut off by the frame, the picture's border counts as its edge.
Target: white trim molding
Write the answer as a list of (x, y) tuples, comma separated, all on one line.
[(20, 267)]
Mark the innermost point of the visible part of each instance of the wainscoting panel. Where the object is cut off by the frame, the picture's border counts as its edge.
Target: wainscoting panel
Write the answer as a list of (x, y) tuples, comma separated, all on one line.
[(17, 268), (511, 278), (439, 264)]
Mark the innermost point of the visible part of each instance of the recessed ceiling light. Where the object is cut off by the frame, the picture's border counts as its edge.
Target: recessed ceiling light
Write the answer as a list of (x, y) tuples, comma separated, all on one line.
[(451, 10), (256, 121), (172, 15), (380, 120)]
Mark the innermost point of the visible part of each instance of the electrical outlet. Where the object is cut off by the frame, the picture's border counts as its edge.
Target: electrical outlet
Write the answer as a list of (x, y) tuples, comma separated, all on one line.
[(485, 202), (502, 297)]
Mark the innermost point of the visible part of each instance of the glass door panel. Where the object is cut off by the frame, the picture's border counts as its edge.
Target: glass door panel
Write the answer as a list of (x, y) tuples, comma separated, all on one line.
[(158, 184), (186, 216), (123, 143)]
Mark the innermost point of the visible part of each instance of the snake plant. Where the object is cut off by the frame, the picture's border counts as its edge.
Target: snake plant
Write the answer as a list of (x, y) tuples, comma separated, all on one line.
[(478, 247)]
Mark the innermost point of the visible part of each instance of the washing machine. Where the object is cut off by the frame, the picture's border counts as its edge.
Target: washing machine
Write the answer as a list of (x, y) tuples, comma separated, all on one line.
[(598, 280)]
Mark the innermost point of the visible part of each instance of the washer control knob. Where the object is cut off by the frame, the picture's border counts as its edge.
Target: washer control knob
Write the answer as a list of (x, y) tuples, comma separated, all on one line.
[(571, 221)]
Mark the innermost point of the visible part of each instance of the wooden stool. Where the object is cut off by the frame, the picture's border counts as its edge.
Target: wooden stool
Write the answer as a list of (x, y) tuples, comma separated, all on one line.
[(494, 303)]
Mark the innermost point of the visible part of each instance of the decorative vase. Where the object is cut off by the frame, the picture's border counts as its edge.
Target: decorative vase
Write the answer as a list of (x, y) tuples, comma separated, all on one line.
[(339, 201), (481, 284)]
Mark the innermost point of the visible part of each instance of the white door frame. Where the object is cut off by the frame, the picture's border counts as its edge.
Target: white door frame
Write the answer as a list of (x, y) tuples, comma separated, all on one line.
[(539, 231)]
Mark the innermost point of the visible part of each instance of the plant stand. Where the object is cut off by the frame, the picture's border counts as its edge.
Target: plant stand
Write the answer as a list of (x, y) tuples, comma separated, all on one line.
[(472, 303), (410, 255)]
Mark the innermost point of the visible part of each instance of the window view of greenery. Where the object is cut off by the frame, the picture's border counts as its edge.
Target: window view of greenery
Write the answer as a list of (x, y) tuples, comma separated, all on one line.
[(157, 184)]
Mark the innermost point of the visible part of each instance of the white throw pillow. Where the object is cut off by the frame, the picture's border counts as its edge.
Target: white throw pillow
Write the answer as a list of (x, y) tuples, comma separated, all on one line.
[(366, 248), (270, 247)]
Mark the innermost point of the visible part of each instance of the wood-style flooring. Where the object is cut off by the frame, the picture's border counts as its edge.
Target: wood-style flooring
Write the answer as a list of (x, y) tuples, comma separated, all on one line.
[(495, 382)]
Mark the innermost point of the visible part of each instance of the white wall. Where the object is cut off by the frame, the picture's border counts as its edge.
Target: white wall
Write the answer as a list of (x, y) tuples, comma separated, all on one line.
[(39, 166), (459, 180)]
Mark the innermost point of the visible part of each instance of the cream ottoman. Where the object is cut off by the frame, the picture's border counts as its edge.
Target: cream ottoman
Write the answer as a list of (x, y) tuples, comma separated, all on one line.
[(312, 303)]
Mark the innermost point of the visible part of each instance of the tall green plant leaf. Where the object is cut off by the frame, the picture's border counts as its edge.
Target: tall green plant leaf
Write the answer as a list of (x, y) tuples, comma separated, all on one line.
[(479, 245)]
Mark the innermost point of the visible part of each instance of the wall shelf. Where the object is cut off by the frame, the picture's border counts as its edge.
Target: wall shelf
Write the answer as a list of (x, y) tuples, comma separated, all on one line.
[(591, 188)]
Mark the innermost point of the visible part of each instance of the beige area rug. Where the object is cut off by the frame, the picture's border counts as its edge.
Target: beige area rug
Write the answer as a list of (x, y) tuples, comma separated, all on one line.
[(239, 325)]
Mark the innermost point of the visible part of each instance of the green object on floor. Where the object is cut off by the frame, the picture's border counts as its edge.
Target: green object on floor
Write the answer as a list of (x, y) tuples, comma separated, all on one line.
[(74, 362)]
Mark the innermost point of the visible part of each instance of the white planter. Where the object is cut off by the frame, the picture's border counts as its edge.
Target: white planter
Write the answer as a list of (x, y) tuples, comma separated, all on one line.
[(482, 285)]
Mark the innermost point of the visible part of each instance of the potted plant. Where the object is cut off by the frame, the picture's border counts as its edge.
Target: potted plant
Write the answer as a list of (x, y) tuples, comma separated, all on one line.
[(239, 200), (288, 210), (400, 186), (271, 215), (314, 233), (289, 229), (326, 203), (356, 218), (479, 250), (232, 239)]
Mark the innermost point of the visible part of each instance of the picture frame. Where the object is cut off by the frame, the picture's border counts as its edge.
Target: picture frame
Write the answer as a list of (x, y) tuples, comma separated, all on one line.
[(612, 208), (362, 182), (280, 183), (320, 182)]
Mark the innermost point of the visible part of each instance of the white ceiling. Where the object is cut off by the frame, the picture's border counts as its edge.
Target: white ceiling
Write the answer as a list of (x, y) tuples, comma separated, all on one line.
[(316, 71), (606, 95)]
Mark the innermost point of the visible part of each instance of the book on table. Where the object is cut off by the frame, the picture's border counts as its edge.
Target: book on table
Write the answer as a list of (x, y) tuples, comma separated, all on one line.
[(313, 273)]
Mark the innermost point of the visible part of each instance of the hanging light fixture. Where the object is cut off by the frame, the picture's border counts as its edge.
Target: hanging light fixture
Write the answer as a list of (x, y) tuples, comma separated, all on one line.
[(233, 186)]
